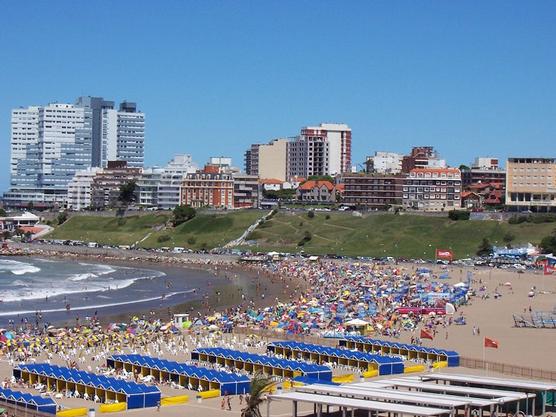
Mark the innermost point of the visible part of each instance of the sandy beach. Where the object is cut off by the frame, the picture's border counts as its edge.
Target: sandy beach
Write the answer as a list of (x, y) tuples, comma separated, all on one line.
[(243, 287)]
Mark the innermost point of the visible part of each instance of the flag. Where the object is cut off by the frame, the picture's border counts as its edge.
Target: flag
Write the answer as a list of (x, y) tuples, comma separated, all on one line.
[(425, 334), (491, 343)]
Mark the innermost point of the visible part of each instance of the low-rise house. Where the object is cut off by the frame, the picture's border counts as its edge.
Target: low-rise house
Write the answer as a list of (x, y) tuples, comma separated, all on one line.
[(318, 191)]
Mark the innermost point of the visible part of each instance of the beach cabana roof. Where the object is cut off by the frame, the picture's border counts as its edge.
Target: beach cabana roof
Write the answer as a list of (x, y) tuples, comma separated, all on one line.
[(451, 356), (386, 364), (95, 381), (303, 367), (34, 402)]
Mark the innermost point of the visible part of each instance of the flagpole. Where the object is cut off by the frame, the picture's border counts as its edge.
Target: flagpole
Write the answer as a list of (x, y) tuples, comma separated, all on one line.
[(484, 357)]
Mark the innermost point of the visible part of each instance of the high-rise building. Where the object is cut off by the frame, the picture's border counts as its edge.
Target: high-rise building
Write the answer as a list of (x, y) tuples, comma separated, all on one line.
[(96, 105), (531, 184), (432, 189), (385, 163), (49, 144), (268, 160), (123, 135), (320, 150)]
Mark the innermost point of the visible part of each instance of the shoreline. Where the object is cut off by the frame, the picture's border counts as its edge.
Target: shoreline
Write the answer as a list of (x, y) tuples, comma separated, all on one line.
[(237, 284)]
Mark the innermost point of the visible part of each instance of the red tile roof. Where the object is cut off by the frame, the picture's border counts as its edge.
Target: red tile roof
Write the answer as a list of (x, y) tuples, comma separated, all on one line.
[(271, 181), (311, 184)]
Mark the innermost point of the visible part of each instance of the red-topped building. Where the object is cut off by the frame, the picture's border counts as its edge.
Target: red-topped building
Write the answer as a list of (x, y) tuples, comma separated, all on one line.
[(209, 187)]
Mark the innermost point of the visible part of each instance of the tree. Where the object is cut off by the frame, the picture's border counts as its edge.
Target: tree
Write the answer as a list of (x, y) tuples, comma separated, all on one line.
[(464, 168), (485, 248), (508, 238), (62, 217), (182, 214), (311, 214), (548, 243), (3, 212), (127, 192), (260, 385)]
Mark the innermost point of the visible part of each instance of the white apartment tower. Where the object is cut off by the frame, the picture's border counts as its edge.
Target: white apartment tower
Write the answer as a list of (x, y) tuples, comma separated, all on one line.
[(123, 135), (320, 150), (49, 144)]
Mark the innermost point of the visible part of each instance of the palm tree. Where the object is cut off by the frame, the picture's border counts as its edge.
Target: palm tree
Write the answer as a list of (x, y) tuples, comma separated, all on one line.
[(260, 385)]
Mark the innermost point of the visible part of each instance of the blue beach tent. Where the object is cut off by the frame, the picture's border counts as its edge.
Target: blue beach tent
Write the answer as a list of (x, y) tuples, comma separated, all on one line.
[(183, 374), (385, 365), (261, 363), (408, 350)]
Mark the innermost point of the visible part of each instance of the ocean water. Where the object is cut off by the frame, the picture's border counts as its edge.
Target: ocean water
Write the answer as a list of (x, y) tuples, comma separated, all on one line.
[(29, 285)]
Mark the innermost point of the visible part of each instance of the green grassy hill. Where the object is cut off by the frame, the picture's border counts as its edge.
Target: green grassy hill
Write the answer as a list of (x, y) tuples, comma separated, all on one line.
[(206, 230), (342, 233), (387, 234), (109, 230)]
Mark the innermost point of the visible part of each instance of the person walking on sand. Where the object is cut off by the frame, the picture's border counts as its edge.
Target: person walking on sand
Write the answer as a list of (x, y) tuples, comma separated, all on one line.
[(229, 402), (223, 403)]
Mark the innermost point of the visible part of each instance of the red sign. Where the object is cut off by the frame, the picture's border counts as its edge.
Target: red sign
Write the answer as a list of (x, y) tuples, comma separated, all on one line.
[(549, 268), (445, 254)]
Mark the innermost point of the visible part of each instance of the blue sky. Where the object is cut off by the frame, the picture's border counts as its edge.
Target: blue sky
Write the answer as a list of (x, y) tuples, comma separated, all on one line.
[(469, 77)]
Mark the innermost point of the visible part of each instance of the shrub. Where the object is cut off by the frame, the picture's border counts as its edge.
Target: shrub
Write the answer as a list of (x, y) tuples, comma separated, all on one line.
[(163, 238), (182, 214), (62, 217), (311, 214), (485, 248), (306, 238), (121, 221), (548, 243), (192, 240), (327, 217), (515, 219), (458, 215)]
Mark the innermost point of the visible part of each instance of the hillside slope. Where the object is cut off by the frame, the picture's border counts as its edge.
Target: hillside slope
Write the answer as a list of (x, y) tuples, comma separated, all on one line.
[(387, 234)]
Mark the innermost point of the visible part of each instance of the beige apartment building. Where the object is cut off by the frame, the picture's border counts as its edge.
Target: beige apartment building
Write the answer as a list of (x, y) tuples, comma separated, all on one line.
[(268, 160), (531, 184)]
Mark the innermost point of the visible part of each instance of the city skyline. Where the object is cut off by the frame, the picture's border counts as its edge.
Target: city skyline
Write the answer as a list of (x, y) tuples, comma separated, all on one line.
[(482, 85)]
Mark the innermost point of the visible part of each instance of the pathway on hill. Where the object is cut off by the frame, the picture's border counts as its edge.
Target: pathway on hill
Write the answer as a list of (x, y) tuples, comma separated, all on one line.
[(241, 240)]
